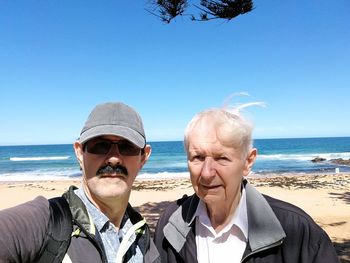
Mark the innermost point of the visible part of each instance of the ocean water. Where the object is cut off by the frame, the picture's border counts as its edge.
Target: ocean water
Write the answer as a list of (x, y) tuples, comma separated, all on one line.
[(168, 159)]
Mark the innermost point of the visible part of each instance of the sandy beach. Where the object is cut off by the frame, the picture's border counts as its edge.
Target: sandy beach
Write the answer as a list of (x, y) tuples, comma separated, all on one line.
[(325, 197)]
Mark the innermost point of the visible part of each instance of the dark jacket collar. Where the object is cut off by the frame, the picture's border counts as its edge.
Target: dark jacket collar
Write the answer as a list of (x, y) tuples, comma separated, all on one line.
[(264, 229), (81, 217)]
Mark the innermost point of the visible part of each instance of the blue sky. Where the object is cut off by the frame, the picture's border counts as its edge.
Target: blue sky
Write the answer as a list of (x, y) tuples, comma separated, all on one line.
[(60, 58)]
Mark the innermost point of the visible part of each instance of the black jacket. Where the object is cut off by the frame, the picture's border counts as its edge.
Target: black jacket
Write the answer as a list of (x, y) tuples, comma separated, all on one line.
[(24, 233), (277, 232)]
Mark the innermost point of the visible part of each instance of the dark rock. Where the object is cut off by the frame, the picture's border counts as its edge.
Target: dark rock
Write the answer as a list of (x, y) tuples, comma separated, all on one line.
[(340, 161), (318, 160)]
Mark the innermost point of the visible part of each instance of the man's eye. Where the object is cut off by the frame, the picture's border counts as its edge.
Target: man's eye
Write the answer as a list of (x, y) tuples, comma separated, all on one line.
[(197, 157), (223, 160)]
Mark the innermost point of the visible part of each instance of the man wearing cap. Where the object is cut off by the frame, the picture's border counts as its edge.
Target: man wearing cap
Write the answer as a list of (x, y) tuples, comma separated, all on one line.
[(111, 151)]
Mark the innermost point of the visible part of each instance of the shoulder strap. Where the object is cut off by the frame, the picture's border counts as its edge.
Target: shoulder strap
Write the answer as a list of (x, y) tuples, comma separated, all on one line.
[(59, 231)]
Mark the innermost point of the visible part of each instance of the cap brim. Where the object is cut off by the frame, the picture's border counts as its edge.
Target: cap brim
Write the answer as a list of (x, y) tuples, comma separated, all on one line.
[(121, 131)]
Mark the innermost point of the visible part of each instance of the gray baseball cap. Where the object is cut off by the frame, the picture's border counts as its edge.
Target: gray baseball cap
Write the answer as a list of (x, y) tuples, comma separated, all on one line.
[(114, 118)]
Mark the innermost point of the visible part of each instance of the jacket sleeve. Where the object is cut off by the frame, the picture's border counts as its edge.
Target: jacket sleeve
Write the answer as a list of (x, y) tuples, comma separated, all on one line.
[(326, 252), (23, 229), (159, 238), (305, 241)]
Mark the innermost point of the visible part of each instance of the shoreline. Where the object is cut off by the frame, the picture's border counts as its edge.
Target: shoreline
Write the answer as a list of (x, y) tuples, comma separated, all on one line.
[(325, 197), (171, 176)]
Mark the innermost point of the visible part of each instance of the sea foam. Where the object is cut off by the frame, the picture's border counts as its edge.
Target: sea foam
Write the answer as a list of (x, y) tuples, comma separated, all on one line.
[(45, 158)]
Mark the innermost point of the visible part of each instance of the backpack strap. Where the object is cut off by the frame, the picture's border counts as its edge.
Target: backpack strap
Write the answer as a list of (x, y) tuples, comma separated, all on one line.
[(59, 231)]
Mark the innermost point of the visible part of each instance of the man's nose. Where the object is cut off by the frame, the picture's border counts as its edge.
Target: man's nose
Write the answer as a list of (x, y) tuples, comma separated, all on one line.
[(114, 157), (208, 169)]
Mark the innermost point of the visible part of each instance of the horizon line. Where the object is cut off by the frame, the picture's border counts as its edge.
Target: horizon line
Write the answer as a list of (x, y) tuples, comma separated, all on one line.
[(156, 141)]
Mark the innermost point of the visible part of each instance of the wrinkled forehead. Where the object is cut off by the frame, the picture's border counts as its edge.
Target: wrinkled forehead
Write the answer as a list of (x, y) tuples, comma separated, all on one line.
[(210, 129)]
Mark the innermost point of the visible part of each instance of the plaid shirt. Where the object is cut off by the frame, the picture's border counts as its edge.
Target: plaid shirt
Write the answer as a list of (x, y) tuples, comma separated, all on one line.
[(111, 236)]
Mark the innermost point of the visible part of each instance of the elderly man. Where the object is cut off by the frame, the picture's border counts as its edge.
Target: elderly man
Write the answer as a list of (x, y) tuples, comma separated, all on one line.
[(101, 224), (227, 220)]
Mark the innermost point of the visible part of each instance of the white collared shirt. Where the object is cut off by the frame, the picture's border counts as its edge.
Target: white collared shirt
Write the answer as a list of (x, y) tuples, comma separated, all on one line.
[(229, 244)]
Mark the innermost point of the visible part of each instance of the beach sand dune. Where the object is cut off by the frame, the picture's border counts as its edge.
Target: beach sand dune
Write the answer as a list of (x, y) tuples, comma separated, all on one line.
[(325, 197)]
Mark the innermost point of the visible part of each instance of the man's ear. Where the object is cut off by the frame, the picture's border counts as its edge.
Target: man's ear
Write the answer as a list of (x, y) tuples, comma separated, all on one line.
[(78, 149), (145, 154), (249, 162)]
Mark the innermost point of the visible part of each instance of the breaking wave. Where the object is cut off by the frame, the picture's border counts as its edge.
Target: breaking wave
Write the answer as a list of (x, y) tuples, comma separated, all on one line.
[(45, 158)]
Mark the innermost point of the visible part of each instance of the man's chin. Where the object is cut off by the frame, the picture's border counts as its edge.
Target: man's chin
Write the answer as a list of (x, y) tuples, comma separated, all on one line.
[(114, 189)]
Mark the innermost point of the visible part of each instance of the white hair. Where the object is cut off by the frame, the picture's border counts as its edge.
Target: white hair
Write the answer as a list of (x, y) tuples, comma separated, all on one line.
[(233, 129)]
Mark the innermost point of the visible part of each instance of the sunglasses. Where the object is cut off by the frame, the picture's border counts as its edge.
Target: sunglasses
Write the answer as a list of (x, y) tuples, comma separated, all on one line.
[(102, 147)]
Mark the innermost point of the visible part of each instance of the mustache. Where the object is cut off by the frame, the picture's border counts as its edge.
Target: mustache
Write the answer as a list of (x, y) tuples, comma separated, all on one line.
[(109, 169)]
